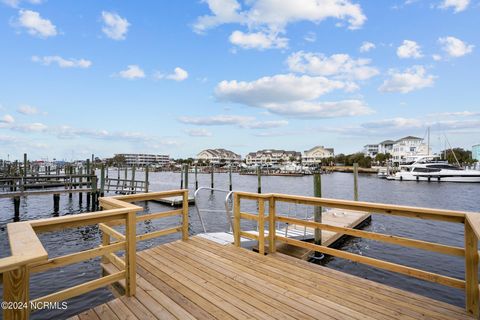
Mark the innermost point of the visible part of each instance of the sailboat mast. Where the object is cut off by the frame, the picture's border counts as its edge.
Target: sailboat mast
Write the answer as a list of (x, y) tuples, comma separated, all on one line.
[(428, 141)]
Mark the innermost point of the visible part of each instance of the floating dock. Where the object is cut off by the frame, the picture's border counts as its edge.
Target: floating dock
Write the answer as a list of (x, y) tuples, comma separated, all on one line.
[(201, 279), (176, 201)]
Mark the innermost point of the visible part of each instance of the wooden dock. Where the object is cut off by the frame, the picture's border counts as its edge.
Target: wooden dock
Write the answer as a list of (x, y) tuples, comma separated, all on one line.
[(200, 279), (176, 201)]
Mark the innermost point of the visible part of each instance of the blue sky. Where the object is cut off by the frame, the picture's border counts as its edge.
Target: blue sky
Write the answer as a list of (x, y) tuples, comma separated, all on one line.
[(175, 77)]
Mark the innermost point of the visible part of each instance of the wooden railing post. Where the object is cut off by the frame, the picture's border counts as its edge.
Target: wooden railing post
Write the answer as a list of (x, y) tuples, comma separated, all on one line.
[(185, 215), (130, 254), (16, 289), (271, 225), (236, 219), (261, 226), (471, 271)]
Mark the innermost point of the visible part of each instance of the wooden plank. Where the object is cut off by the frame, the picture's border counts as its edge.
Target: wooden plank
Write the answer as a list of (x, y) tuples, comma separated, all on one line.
[(236, 219), (261, 226), (111, 232), (249, 235), (148, 196), (137, 308), (405, 211), (185, 214), (41, 193), (153, 306), (117, 261), (24, 243), (121, 310), (314, 307), (81, 289), (413, 272), (474, 221), (271, 225), (82, 219), (401, 241), (248, 216), (334, 285), (76, 257), (16, 289), (88, 315), (471, 269), (185, 290), (159, 215), (159, 233), (130, 254), (105, 313)]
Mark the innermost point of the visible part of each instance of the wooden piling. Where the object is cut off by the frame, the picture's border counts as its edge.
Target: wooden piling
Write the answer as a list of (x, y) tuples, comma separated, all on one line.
[(355, 181), (25, 165), (230, 178), (146, 178), (102, 180), (134, 189), (212, 184), (196, 178), (16, 206), (187, 167), (56, 202), (181, 176), (317, 213), (259, 180)]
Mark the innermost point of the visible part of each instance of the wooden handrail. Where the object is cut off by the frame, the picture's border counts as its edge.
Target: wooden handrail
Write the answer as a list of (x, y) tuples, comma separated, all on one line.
[(470, 251)]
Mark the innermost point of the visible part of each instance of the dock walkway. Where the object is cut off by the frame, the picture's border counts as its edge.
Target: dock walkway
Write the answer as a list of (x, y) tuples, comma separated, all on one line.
[(201, 279)]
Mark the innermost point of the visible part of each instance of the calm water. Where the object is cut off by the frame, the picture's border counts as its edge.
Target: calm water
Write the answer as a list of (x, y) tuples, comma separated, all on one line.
[(336, 185)]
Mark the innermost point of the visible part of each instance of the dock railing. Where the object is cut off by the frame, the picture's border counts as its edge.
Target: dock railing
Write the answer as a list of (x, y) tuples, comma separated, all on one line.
[(470, 220), (28, 255)]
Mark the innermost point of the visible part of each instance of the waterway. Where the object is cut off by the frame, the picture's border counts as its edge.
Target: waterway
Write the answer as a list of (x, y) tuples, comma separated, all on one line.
[(464, 197)]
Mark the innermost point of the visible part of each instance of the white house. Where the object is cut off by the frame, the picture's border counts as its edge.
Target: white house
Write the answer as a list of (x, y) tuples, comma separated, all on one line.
[(370, 150), (316, 154), (386, 146), (409, 147), (272, 157), (144, 159), (217, 156)]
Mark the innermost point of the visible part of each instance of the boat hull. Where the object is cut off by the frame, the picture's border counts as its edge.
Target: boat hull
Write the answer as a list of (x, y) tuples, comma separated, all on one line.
[(436, 178)]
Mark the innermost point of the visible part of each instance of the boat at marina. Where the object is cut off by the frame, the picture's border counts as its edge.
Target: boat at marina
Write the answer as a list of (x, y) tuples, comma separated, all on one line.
[(428, 168)]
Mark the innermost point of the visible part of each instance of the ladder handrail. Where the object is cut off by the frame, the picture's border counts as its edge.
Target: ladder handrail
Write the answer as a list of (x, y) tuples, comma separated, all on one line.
[(227, 210)]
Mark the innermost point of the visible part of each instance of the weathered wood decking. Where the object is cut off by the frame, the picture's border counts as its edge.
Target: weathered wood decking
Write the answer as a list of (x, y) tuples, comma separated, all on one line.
[(201, 279)]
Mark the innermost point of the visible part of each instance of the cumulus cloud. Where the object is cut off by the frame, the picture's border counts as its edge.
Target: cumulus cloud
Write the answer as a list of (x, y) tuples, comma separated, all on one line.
[(367, 46), (456, 5), (132, 72), (35, 24), (409, 49), (30, 127), (198, 132), (455, 47), (115, 27), (411, 79), (257, 40), (27, 110), (7, 119), (61, 62), (178, 74), (340, 66), (267, 17)]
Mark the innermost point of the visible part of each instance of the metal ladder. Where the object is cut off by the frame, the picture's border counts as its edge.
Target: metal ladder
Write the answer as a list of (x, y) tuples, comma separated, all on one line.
[(227, 210)]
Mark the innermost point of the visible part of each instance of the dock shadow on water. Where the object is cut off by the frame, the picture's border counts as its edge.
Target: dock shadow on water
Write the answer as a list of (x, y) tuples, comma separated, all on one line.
[(337, 185)]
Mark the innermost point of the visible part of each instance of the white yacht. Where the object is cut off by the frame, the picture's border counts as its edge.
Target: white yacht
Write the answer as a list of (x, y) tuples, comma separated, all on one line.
[(426, 168)]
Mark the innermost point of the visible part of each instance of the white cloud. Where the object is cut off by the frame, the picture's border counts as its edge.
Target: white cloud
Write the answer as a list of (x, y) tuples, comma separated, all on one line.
[(7, 119), (282, 88), (263, 17), (218, 120), (257, 40), (367, 46), (394, 123), (457, 5), (133, 71), (310, 37), (198, 132), (115, 27), (62, 63), (409, 49), (178, 74), (30, 127), (35, 24), (455, 114), (245, 122), (411, 79), (341, 66), (436, 57), (27, 110), (16, 3), (455, 47)]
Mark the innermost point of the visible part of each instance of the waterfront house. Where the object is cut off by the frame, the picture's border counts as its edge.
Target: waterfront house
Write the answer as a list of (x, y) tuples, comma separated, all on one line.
[(370, 150), (272, 157), (217, 156), (142, 159), (409, 147), (315, 155)]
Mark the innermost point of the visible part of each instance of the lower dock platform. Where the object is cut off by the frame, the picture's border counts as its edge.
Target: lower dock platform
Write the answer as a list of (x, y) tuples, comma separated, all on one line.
[(201, 279)]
